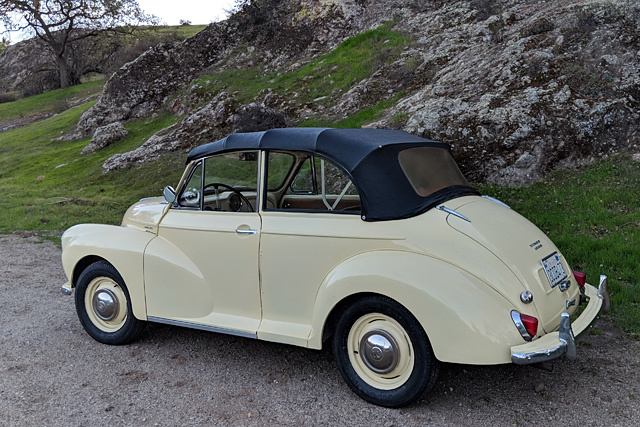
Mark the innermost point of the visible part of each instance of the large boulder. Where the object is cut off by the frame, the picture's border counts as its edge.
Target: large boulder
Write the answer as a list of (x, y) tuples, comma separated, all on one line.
[(215, 120), (28, 68), (105, 136), (141, 87), (521, 89), (206, 124)]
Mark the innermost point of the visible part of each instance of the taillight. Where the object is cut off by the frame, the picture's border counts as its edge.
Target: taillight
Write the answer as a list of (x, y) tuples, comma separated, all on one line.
[(530, 323), (526, 325), (581, 278)]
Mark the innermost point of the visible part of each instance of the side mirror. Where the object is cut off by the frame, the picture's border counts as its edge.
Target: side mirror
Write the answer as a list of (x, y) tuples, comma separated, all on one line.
[(169, 194)]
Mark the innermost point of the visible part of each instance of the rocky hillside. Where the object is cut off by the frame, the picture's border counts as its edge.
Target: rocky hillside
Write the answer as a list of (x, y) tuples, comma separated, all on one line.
[(517, 88), (28, 67)]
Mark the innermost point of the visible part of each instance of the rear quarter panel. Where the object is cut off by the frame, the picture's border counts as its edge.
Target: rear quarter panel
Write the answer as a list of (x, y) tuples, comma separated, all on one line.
[(466, 320)]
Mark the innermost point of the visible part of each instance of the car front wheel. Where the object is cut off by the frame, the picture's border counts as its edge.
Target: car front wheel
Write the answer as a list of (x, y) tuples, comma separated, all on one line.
[(383, 353), (104, 307)]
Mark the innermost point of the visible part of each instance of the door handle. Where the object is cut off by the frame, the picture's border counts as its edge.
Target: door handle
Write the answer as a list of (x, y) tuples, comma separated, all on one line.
[(249, 232)]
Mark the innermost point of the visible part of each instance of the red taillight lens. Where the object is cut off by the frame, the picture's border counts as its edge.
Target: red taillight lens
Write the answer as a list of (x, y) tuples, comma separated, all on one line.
[(530, 324), (581, 278)]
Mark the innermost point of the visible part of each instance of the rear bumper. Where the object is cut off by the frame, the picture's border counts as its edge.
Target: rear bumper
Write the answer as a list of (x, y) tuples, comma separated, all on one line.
[(562, 342)]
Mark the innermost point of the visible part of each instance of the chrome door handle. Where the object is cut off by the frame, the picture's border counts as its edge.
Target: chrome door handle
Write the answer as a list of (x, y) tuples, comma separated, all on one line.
[(250, 231)]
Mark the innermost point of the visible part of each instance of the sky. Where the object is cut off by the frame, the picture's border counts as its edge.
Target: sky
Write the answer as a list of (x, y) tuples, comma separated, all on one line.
[(196, 11), (171, 12)]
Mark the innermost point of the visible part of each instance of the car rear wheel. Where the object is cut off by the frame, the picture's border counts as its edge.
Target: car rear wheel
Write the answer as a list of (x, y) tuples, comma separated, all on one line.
[(104, 307), (383, 353)]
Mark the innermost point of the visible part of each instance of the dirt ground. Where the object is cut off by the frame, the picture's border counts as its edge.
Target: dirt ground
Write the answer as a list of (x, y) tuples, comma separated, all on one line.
[(53, 373)]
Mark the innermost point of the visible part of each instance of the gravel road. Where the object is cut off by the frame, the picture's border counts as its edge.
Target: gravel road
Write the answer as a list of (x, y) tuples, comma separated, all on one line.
[(53, 373)]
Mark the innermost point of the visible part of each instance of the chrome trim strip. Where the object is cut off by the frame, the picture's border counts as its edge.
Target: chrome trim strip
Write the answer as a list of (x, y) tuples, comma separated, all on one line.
[(203, 327), (452, 212), (494, 200), (515, 316)]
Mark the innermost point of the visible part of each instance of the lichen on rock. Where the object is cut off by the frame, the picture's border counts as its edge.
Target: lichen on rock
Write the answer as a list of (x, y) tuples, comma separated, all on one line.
[(105, 136)]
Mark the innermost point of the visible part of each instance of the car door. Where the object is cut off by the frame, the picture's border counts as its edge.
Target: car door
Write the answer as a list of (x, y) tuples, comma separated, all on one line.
[(309, 228), (202, 269)]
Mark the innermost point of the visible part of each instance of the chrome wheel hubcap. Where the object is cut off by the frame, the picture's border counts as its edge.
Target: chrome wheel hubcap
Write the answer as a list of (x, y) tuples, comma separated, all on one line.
[(379, 351), (105, 304)]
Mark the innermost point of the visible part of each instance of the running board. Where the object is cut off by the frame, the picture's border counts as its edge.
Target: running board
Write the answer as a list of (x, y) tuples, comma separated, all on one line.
[(202, 327)]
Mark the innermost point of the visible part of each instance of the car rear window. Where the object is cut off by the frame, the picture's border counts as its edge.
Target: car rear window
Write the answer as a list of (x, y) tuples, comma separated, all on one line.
[(430, 169)]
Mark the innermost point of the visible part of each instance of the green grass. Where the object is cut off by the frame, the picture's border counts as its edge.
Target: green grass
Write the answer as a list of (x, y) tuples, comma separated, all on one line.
[(48, 186), (181, 31), (593, 216), (185, 31), (362, 117), (49, 102)]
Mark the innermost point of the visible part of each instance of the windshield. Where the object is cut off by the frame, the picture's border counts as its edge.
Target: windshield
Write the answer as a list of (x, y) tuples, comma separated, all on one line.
[(430, 169)]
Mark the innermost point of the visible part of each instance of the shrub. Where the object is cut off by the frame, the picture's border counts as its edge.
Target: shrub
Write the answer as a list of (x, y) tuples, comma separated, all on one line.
[(41, 82), (7, 97), (539, 26), (485, 9)]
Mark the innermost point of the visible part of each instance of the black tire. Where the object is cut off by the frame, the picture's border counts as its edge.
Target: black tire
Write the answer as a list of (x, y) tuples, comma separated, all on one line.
[(394, 377), (104, 306)]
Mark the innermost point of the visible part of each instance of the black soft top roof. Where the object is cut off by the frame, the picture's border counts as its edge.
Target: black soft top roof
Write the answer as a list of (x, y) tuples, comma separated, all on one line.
[(345, 146), (370, 156)]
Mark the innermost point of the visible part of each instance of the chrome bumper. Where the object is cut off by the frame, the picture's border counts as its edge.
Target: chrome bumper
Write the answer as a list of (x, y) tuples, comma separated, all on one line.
[(66, 289), (563, 342)]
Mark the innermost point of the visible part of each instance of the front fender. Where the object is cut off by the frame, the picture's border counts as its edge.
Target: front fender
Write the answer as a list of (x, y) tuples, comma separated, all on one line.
[(466, 320), (121, 247)]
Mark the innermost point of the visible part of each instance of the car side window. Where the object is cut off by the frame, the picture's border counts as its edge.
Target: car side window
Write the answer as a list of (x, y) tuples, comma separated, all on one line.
[(304, 181), (278, 169), (231, 182), (320, 185), (190, 197)]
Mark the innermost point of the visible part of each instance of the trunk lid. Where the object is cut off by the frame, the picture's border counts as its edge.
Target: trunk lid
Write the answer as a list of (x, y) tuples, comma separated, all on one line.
[(522, 247)]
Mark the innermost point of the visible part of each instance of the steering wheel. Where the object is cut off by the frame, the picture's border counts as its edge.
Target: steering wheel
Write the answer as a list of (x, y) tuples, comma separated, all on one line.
[(226, 187)]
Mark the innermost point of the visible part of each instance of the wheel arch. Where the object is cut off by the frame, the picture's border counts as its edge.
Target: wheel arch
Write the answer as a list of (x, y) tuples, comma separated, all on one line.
[(465, 319), (121, 247), (335, 313), (82, 265)]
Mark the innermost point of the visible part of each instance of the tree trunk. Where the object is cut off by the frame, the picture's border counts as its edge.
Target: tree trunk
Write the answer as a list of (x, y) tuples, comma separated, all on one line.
[(64, 72)]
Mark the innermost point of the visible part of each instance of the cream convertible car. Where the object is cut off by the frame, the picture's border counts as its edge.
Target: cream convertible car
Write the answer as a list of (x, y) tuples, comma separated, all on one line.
[(372, 239)]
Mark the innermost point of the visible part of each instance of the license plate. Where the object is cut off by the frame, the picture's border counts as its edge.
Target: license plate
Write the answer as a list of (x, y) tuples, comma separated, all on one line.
[(554, 269)]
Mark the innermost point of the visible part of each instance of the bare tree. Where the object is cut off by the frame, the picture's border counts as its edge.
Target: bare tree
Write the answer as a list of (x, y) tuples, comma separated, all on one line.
[(62, 24), (4, 43)]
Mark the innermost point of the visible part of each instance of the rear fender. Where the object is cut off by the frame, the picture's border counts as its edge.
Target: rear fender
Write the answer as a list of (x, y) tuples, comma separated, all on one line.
[(121, 247), (466, 320)]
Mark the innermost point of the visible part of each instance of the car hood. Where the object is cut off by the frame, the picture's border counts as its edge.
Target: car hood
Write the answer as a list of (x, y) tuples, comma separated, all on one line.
[(146, 214), (521, 246)]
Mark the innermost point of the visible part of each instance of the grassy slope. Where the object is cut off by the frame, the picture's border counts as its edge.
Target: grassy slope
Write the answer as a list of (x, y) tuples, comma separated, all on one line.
[(324, 79), (48, 186), (49, 102), (592, 214)]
